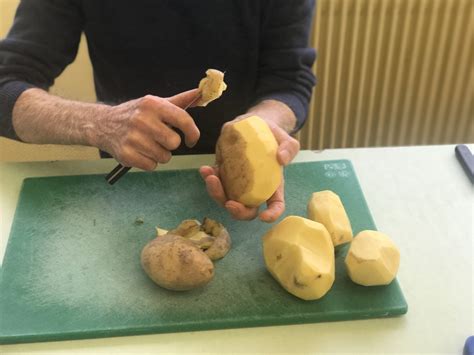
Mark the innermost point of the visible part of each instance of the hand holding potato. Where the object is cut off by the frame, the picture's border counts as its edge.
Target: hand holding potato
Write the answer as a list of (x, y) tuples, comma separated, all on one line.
[(287, 148)]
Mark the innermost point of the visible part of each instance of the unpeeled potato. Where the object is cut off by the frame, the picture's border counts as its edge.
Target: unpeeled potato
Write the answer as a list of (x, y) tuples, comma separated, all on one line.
[(181, 259), (175, 263)]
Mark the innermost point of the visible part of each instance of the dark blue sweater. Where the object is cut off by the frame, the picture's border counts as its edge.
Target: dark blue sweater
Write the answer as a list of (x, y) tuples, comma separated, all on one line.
[(163, 47)]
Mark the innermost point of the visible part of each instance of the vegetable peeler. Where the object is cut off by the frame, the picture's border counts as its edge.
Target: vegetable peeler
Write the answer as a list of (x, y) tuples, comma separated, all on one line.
[(121, 170)]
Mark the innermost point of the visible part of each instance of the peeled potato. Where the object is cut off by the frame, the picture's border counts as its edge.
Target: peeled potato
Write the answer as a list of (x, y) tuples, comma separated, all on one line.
[(373, 259), (211, 87), (246, 155), (299, 254), (326, 207)]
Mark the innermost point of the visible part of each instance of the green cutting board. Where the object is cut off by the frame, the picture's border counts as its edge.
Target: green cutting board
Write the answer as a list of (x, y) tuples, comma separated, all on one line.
[(72, 264)]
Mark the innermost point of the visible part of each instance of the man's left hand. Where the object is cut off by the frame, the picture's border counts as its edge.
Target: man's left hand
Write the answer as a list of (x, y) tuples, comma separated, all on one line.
[(288, 147)]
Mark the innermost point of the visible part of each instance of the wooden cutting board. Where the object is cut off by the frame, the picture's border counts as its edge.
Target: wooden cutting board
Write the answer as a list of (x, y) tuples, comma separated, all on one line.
[(72, 264)]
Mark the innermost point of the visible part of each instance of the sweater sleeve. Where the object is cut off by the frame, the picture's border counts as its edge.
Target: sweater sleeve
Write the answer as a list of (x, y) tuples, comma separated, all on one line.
[(43, 40), (285, 59)]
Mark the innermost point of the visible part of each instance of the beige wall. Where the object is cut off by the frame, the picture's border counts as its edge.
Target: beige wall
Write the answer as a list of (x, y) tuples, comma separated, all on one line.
[(75, 82)]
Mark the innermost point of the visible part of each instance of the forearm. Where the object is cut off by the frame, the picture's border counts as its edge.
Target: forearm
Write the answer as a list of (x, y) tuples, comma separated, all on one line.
[(42, 118), (276, 112)]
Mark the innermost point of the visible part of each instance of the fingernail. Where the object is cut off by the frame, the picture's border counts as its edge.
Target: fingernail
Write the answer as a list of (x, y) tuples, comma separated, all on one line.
[(232, 209), (266, 216)]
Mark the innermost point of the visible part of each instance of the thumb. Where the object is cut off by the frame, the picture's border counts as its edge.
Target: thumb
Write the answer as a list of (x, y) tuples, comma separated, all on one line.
[(184, 99)]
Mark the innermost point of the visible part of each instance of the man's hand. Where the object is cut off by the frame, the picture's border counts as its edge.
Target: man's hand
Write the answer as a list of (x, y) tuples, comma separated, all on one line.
[(140, 133), (288, 147)]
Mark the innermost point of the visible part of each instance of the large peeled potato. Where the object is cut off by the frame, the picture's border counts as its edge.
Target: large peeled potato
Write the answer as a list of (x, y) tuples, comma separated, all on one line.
[(246, 155), (326, 207), (211, 87), (373, 259), (299, 254), (175, 263)]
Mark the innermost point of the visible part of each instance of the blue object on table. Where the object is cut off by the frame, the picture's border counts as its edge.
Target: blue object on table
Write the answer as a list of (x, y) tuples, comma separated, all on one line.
[(469, 346), (466, 159)]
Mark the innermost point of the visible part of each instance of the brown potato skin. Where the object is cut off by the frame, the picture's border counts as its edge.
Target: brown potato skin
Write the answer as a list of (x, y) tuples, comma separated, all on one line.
[(234, 169), (222, 243), (220, 247), (175, 263)]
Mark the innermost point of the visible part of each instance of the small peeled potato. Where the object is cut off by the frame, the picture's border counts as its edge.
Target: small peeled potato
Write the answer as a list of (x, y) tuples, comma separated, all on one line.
[(299, 254), (211, 87), (326, 207), (373, 259), (175, 263)]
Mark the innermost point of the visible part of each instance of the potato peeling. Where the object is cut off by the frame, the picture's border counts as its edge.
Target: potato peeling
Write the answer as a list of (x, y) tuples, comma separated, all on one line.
[(160, 232), (210, 236), (211, 87)]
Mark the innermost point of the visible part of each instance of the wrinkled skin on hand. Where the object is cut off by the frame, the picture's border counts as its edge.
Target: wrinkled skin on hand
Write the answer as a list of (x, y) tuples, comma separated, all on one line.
[(142, 132)]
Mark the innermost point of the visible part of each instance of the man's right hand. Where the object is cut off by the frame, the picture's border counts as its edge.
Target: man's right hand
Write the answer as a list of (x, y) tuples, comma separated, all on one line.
[(141, 133), (138, 133)]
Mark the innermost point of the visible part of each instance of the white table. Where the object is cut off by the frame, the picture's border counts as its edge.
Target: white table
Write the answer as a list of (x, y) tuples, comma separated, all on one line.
[(418, 195)]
